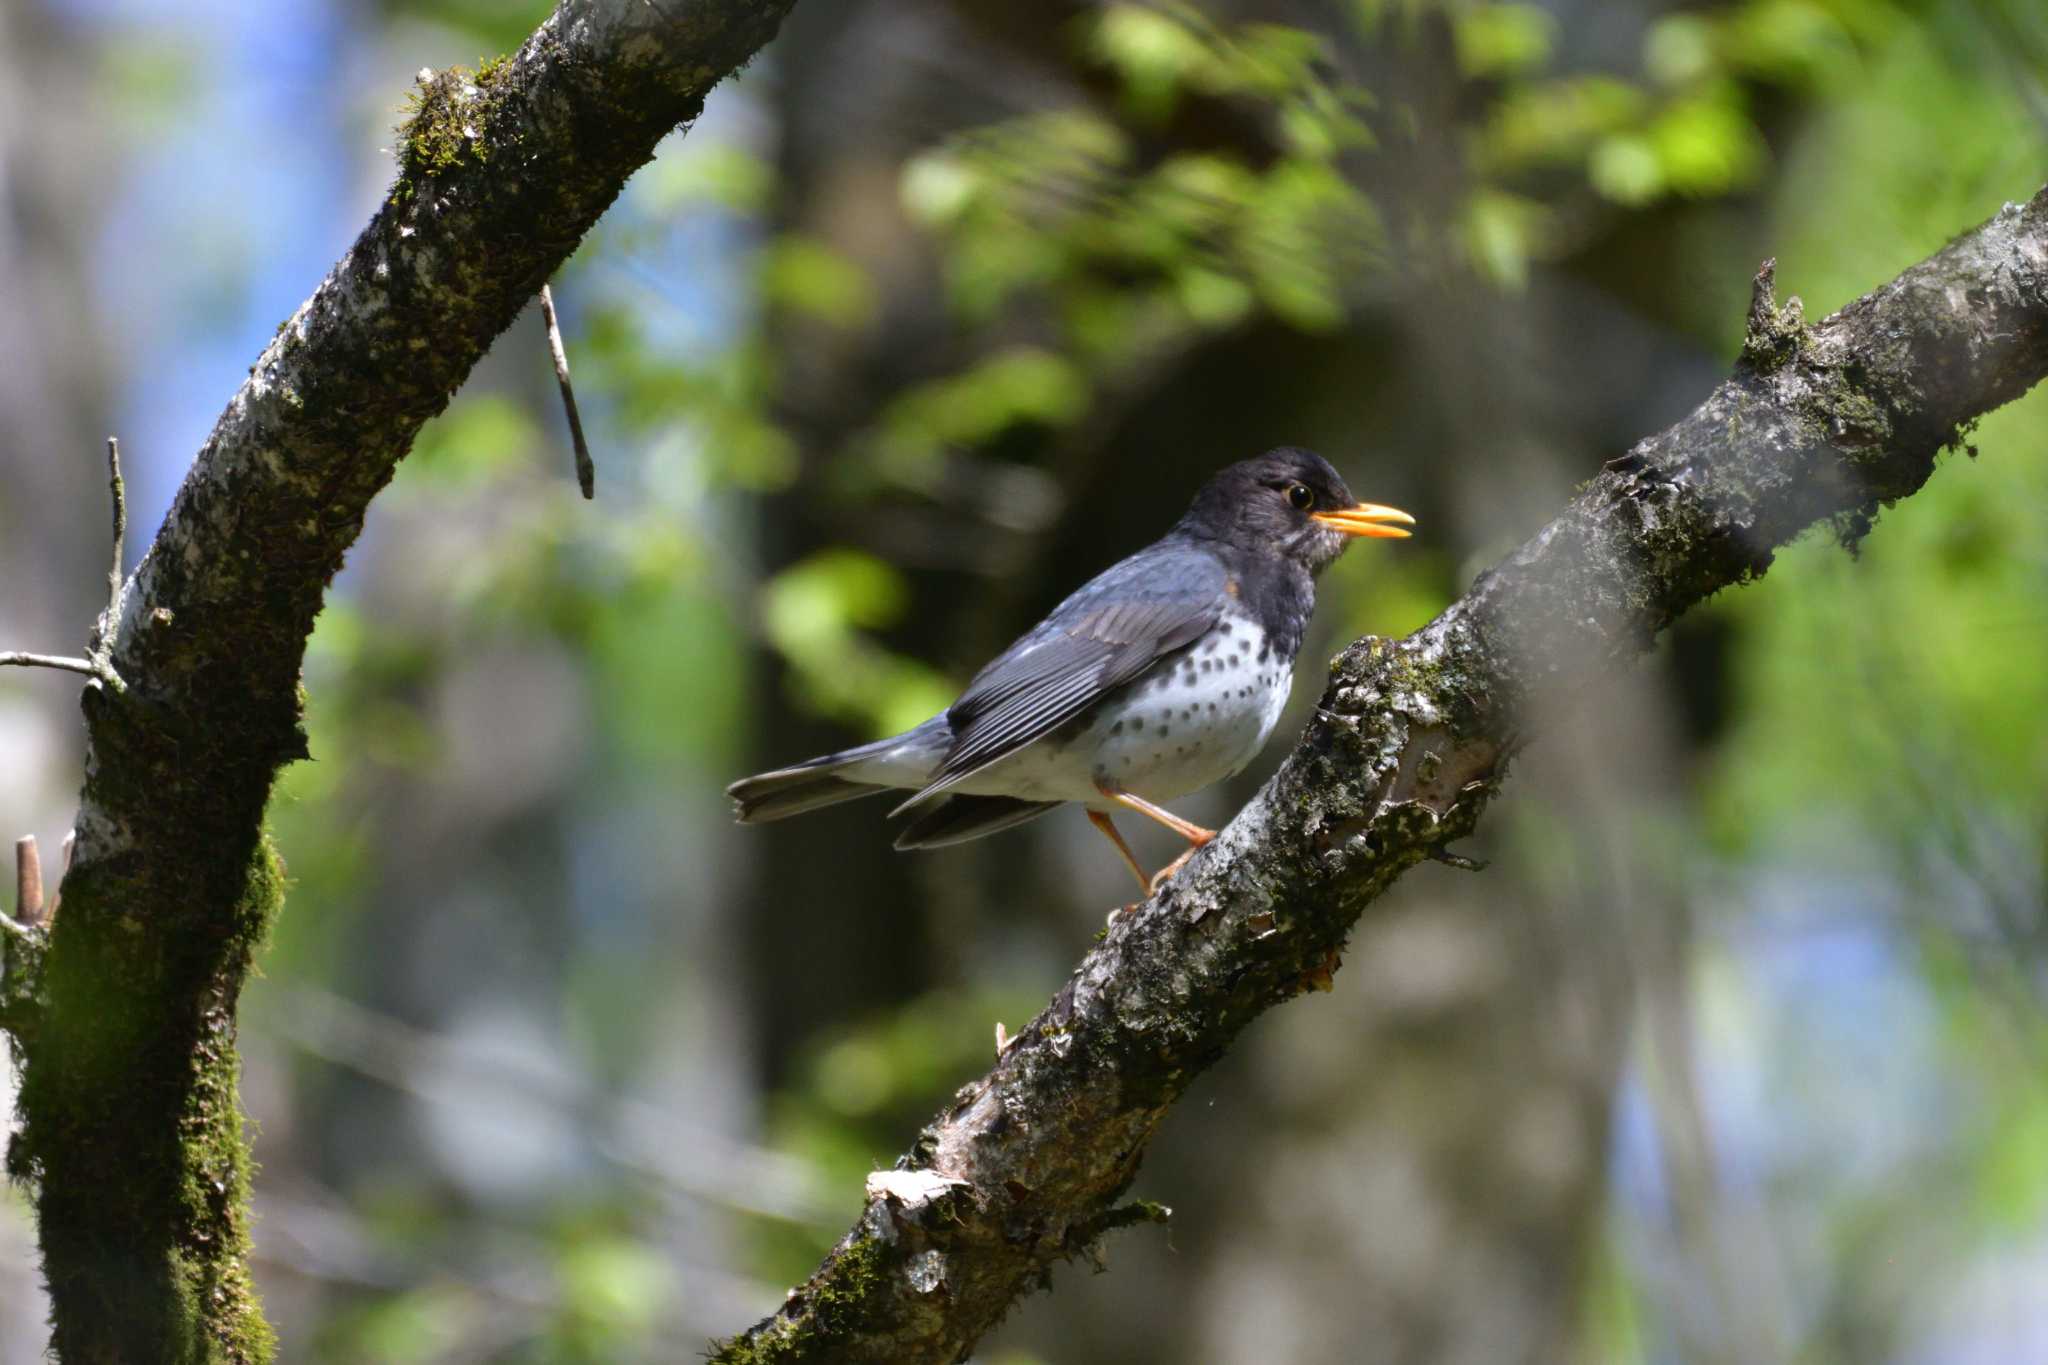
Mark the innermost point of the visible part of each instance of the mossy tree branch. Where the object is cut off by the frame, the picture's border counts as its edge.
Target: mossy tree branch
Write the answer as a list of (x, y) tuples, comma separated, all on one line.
[(131, 1128), (1821, 424)]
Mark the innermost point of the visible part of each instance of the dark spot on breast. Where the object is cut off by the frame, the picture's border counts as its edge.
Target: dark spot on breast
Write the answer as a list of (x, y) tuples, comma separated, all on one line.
[(1210, 648), (1205, 665), (1137, 725), (1164, 731), (1212, 708), (1223, 628), (1264, 650)]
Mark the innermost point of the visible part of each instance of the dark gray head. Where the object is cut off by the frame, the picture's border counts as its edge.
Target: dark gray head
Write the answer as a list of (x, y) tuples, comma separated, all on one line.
[(1290, 503)]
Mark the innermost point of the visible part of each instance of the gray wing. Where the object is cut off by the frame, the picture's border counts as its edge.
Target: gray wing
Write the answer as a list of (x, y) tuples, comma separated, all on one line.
[(1104, 636)]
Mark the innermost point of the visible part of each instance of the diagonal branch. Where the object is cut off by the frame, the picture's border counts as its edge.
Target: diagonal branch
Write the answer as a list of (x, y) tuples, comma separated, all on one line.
[(131, 1123), (1817, 424)]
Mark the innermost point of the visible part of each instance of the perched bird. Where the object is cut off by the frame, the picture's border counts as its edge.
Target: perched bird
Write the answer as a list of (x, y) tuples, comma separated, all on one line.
[(1160, 676)]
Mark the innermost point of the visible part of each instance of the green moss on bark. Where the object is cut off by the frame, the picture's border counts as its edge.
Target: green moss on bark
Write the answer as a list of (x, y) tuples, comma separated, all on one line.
[(447, 116), (832, 1308), (132, 1124)]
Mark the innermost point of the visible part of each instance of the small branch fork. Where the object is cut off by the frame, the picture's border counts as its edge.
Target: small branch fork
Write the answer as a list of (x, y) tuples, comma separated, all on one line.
[(98, 663), (586, 468)]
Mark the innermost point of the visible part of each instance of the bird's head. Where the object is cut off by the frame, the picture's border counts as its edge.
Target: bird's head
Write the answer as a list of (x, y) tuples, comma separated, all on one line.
[(1288, 502)]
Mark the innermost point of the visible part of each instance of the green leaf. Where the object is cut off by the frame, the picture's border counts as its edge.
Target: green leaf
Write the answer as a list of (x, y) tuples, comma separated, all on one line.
[(708, 172), (1152, 53), (819, 598), (1503, 40), (803, 274), (1707, 145), (616, 1283), (471, 443), (938, 187), (1627, 169), (1502, 233)]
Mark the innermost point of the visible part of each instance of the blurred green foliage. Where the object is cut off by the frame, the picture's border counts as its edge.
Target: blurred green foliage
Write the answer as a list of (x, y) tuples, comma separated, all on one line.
[(855, 1096)]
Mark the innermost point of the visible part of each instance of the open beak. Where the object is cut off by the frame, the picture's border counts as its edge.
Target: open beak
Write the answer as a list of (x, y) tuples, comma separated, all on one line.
[(1367, 519)]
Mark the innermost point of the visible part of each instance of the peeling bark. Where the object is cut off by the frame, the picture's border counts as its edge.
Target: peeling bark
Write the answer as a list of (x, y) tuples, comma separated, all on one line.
[(131, 1123), (1821, 424)]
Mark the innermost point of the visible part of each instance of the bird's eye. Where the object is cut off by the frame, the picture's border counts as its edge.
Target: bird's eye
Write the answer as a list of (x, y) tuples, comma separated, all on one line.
[(1300, 497)]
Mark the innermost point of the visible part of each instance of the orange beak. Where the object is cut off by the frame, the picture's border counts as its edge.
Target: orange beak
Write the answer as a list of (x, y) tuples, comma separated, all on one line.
[(1366, 519)]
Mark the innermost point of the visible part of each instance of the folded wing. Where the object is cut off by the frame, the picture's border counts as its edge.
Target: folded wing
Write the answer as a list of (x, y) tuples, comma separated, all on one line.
[(1105, 636)]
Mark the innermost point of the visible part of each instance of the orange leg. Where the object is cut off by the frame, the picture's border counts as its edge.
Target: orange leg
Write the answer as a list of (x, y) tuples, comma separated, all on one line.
[(1193, 833), (1100, 820)]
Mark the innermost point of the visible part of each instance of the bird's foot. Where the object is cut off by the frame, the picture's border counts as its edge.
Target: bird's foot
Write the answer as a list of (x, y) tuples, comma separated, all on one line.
[(1166, 874)]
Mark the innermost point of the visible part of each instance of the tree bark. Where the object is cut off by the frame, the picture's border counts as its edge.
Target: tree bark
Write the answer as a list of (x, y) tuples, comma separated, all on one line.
[(1821, 424), (131, 1123)]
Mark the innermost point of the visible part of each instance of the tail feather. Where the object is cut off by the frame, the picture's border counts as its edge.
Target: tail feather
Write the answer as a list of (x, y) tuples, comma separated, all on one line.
[(956, 819), (802, 787), (904, 761), (792, 791)]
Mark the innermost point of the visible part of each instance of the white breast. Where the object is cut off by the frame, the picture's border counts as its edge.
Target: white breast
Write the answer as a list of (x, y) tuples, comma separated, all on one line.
[(1196, 719)]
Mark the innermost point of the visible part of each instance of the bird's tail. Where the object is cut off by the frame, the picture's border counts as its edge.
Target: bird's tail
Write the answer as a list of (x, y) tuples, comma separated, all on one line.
[(805, 787)]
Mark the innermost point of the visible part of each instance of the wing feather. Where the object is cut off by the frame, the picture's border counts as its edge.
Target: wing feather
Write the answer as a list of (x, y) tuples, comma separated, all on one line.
[(1103, 637)]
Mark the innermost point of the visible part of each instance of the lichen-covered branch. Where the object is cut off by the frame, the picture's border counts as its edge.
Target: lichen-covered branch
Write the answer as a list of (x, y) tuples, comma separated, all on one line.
[(131, 1125), (1820, 424)]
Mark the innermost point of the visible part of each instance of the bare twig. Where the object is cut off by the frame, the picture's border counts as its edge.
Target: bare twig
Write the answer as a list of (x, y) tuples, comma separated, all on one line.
[(100, 662), (69, 663), (586, 468), (119, 494), (1457, 860), (28, 881)]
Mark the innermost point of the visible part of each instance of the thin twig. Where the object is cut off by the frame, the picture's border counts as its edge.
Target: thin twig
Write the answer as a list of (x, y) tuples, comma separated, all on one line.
[(28, 881), (120, 497), (22, 659), (586, 468), (100, 662)]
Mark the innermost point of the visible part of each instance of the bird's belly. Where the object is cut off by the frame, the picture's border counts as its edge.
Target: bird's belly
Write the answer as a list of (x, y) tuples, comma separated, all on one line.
[(1194, 720)]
